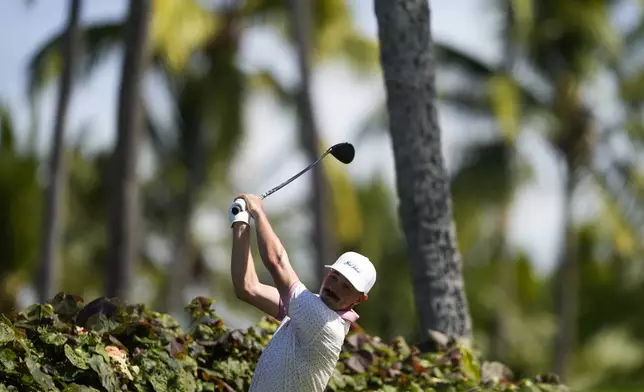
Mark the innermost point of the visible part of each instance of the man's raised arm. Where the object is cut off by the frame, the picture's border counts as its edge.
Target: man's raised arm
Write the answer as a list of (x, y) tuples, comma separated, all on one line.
[(248, 288), (271, 250)]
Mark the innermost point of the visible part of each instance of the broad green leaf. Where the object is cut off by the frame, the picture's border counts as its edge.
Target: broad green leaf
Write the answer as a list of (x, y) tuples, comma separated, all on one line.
[(78, 357), (101, 323), (38, 312), (109, 381), (44, 380), (67, 305), (6, 333), (7, 359), (470, 365), (52, 337), (159, 382)]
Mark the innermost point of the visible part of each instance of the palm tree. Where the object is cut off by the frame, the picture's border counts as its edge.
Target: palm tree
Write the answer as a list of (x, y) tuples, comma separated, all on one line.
[(425, 207), (47, 271), (124, 204)]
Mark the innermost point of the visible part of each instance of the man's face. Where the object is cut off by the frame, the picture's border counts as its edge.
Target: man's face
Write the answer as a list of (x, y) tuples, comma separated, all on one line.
[(337, 293)]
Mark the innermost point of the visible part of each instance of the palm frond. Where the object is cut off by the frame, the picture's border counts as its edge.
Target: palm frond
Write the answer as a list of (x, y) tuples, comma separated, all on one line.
[(452, 58), (98, 42), (179, 27)]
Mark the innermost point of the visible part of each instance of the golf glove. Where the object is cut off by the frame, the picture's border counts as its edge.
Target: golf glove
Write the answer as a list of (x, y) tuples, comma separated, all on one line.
[(239, 206)]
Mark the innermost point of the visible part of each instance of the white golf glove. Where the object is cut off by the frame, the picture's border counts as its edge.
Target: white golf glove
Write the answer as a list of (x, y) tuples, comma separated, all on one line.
[(242, 215)]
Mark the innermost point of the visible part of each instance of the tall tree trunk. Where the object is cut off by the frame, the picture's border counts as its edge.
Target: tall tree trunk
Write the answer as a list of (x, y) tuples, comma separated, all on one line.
[(574, 145), (425, 207), (124, 204), (567, 298), (182, 263), (504, 273), (47, 277), (302, 25), (499, 331)]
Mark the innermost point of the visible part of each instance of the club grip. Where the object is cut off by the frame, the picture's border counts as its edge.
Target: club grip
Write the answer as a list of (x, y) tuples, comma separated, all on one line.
[(238, 206)]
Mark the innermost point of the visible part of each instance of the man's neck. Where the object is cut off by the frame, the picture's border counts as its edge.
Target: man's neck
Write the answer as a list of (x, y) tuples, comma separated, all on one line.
[(347, 314)]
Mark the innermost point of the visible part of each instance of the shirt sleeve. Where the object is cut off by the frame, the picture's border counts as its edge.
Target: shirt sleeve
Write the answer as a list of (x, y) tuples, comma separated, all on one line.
[(309, 315)]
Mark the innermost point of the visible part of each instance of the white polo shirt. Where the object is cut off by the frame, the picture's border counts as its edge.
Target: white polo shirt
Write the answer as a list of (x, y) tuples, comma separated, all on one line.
[(304, 350)]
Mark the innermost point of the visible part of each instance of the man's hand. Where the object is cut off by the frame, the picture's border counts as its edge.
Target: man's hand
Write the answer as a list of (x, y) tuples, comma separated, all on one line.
[(253, 204), (240, 219)]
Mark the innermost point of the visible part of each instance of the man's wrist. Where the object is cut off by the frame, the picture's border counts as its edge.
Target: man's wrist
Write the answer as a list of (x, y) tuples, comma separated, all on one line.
[(259, 215), (240, 227)]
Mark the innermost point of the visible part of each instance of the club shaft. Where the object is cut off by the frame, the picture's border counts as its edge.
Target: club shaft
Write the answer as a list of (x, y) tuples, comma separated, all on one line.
[(280, 186)]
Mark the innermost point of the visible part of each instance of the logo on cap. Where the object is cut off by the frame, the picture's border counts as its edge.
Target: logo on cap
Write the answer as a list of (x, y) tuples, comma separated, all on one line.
[(352, 265)]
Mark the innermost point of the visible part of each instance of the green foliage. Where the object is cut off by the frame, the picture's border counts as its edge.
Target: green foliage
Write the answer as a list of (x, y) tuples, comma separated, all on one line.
[(108, 346), (19, 192)]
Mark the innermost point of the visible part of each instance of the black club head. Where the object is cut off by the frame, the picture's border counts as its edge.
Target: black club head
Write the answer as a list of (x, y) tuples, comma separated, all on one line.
[(343, 152)]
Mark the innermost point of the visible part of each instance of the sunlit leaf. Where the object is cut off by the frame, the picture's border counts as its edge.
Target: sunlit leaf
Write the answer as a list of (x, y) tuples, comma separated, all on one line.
[(178, 27), (506, 101)]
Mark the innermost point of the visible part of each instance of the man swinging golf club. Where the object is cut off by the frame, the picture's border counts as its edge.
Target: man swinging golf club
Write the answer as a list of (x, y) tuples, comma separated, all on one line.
[(305, 349)]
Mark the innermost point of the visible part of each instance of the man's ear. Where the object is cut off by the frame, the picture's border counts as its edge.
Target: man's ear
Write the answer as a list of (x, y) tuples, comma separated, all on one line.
[(361, 298)]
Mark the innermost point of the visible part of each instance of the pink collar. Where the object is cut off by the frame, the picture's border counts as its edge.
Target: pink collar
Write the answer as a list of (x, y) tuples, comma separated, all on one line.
[(349, 315)]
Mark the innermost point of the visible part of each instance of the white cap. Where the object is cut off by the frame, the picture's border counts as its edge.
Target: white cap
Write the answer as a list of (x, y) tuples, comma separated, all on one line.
[(358, 270)]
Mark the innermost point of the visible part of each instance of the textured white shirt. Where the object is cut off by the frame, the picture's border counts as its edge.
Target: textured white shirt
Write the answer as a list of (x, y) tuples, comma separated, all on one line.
[(305, 349)]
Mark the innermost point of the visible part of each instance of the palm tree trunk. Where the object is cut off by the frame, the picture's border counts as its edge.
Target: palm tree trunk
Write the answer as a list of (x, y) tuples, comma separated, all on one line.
[(499, 332), (47, 276), (567, 299), (183, 262), (124, 206), (302, 21), (422, 181)]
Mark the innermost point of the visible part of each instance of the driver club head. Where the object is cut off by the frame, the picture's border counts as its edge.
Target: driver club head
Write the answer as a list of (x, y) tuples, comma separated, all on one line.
[(343, 152)]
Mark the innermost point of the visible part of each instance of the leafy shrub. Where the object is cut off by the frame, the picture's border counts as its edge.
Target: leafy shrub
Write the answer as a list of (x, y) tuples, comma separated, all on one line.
[(107, 346)]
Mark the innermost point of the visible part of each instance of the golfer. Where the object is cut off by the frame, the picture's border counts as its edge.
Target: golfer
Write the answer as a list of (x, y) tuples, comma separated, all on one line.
[(305, 349)]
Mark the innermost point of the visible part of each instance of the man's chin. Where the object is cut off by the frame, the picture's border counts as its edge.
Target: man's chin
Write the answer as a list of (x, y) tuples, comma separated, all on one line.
[(330, 302)]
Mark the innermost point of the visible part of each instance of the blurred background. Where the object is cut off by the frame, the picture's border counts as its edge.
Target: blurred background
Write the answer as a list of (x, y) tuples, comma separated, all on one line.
[(540, 108)]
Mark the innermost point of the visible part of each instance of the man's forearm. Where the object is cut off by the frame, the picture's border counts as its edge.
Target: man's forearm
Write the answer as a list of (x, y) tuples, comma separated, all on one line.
[(270, 247), (243, 272), (273, 254)]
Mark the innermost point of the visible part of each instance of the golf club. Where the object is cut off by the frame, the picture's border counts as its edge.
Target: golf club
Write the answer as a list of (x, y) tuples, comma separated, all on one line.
[(343, 152)]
